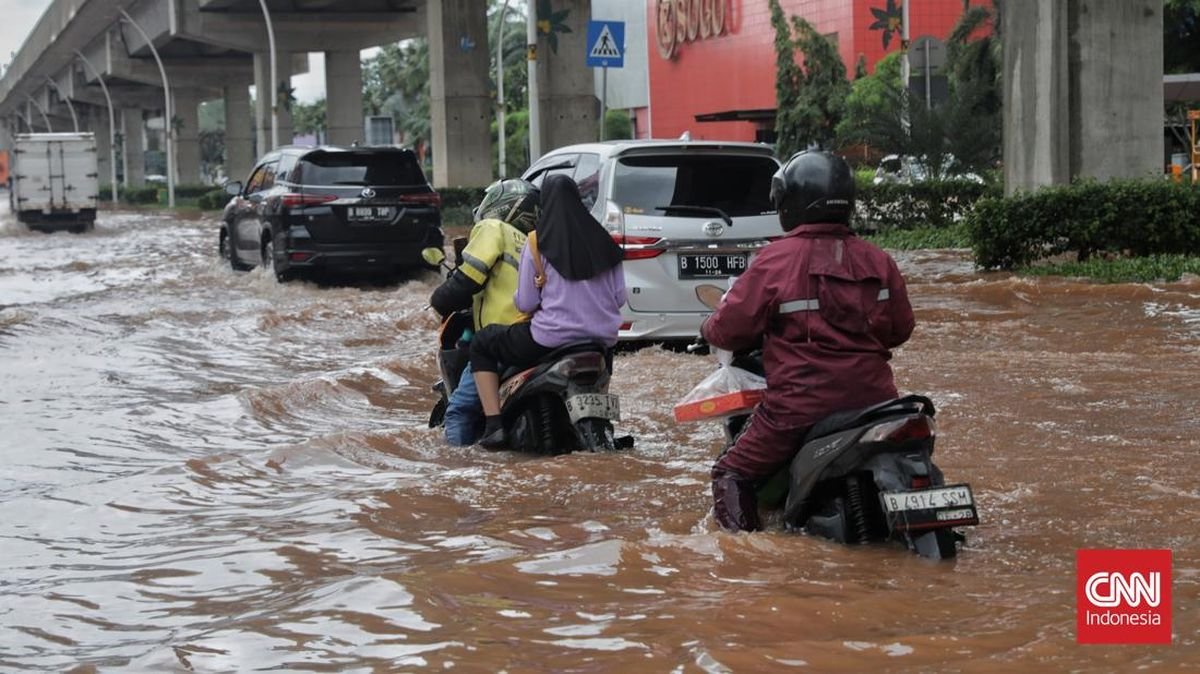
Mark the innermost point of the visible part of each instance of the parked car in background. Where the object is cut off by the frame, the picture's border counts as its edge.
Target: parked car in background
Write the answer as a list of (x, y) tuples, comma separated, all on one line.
[(906, 169), (685, 213), (362, 210)]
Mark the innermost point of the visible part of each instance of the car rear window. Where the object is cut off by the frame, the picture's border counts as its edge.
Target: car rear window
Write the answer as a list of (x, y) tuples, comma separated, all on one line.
[(739, 185), (359, 168)]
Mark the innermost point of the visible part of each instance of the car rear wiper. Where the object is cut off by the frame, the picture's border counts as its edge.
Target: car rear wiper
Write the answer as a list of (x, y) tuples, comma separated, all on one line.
[(707, 210), (357, 183)]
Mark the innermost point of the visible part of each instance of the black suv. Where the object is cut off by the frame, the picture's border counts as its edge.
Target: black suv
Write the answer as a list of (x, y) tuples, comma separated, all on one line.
[(356, 209)]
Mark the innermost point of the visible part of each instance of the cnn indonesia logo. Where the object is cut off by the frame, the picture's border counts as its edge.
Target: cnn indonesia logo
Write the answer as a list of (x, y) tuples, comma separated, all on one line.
[(1123, 596)]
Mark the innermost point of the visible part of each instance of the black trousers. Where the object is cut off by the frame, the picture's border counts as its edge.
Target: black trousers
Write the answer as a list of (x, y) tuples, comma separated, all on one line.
[(510, 345)]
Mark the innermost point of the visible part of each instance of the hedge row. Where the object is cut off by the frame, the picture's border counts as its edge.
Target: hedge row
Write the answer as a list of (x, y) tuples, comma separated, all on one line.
[(213, 200), (1127, 217), (149, 194), (935, 203)]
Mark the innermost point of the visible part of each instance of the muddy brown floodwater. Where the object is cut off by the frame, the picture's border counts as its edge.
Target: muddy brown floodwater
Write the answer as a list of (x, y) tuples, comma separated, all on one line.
[(204, 470)]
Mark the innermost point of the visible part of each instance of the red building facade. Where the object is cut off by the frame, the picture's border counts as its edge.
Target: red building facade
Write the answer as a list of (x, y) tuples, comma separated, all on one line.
[(712, 62)]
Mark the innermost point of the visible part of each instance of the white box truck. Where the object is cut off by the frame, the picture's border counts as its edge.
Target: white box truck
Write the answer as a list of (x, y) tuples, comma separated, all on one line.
[(54, 181)]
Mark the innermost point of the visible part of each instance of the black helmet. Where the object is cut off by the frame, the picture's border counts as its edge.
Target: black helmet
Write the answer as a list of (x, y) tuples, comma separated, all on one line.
[(513, 201), (813, 186)]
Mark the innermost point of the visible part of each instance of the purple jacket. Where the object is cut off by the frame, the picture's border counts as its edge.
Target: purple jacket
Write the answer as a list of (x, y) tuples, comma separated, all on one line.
[(567, 311)]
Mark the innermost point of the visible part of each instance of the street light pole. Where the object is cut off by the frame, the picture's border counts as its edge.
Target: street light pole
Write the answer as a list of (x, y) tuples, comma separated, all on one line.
[(500, 89), (42, 112), (168, 112), (274, 75), (71, 108), (535, 115), (112, 125)]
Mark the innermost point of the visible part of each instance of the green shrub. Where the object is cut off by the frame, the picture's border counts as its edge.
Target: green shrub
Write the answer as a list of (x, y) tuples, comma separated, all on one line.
[(933, 203), (147, 194), (1137, 218), (922, 238), (191, 191), (454, 197), (213, 200), (1154, 268)]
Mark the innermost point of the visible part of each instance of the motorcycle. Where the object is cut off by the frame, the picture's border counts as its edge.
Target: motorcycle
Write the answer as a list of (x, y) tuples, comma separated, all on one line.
[(865, 475), (558, 406)]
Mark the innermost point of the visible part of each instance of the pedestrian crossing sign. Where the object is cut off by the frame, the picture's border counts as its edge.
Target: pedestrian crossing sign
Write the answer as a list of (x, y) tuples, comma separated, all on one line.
[(606, 44)]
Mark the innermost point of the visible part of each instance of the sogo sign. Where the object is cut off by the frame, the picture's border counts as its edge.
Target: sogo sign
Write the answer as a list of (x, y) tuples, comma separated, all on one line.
[(682, 21), (1123, 596)]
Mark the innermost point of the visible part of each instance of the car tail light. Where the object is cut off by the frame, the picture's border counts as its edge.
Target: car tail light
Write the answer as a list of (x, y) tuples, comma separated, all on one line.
[(639, 247), (299, 257), (900, 430), (627, 325), (422, 199), (614, 220), (291, 199)]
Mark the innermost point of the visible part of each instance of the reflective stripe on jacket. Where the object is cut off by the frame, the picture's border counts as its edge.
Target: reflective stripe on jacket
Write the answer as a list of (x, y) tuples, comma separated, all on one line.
[(829, 308), (491, 259)]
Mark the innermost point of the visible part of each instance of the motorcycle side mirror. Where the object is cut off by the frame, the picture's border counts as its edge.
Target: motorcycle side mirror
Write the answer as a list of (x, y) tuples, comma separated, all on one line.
[(433, 256), (710, 295), (460, 243)]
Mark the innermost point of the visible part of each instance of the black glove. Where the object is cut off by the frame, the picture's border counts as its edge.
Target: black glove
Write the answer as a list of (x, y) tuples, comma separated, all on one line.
[(454, 294)]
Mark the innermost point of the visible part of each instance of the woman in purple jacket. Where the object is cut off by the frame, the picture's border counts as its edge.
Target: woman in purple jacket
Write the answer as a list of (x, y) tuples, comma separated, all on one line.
[(578, 299)]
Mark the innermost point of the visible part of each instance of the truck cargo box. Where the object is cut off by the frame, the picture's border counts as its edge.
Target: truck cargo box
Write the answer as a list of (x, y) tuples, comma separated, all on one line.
[(54, 180)]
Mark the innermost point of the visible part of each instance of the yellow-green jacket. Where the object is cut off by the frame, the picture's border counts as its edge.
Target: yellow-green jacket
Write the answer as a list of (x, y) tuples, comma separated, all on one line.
[(488, 276)]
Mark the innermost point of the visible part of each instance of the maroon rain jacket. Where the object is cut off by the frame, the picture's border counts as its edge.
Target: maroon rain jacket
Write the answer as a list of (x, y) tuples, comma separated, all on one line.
[(829, 307)]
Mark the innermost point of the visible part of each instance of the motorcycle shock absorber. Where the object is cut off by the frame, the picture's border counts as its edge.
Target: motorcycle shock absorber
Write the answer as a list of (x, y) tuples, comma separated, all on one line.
[(546, 430), (858, 513)]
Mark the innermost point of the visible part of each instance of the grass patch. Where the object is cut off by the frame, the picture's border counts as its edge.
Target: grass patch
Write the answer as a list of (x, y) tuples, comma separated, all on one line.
[(923, 237), (1122, 270), (457, 216)]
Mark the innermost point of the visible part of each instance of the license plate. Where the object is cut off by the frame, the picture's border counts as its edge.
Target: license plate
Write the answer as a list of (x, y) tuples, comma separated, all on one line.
[(713, 265), (930, 508), (593, 406), (360, 213)]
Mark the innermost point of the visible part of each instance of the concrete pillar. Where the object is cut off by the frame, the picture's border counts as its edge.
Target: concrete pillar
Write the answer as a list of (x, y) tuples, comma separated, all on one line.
[(460, 101), (239, 136), (186, 106), (343, 97), (135, 146), (262, 99), (1082, 91), (98, 124), (570, 110)]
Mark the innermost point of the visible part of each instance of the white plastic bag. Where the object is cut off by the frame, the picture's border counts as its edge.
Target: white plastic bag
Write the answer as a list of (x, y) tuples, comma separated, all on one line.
[(728, 391)]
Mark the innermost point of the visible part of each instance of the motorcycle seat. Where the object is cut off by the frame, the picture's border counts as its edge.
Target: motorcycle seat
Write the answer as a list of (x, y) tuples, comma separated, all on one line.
[(562, 352), (841, 421)]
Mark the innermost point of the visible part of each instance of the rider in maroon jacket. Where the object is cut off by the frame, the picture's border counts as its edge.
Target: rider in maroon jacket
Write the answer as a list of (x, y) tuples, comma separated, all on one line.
[(828, 308)]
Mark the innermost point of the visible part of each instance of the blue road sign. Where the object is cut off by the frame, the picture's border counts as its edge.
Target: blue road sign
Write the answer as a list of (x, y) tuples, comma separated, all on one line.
[(606, 44)]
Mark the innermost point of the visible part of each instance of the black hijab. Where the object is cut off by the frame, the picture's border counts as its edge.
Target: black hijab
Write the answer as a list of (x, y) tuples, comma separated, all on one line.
[(569, 237)]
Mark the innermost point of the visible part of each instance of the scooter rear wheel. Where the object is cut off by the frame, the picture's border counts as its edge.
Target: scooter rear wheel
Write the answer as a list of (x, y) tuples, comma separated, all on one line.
[(596, 435), (940, 544)]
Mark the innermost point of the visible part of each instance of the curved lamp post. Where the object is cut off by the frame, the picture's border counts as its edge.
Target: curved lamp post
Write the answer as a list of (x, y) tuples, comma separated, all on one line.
[(535, 113), (42, 111), (71, 108), (500, 88), (274, 75), (112, 125), (168, 112)]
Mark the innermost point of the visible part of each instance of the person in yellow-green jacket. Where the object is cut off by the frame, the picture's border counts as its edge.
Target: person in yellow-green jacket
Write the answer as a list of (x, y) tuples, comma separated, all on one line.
[(486, 281)]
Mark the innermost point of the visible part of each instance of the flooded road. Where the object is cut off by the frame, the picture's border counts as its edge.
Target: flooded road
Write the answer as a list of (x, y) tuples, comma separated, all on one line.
[(204, 470)]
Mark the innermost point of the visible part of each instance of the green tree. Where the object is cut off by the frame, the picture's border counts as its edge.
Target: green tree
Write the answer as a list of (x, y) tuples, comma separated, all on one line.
[(617, 125), (396, 83), (1181, 36), (870, 97), (810, 98), (309, 118)]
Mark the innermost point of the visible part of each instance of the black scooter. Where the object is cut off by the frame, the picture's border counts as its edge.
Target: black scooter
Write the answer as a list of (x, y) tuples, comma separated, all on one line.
[(866, 475), (560, 405)]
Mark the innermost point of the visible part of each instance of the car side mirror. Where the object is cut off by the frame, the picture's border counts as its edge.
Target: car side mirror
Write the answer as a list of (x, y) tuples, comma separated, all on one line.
[(233, 187)]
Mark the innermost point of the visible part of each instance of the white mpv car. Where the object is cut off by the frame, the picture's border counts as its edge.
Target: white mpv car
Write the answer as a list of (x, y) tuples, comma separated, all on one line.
[(686, 213)]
